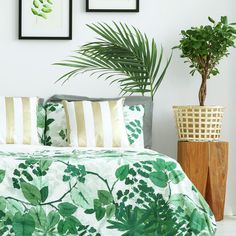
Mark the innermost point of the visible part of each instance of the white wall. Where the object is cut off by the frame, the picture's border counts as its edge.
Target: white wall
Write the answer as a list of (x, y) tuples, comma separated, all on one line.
[(26, 66)]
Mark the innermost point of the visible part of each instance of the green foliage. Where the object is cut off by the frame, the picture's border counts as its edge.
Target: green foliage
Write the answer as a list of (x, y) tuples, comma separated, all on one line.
[(205, 46), (23, 225), (67, 209), (122, 172), (137, 208), (72, 171), (159, 178), (27, 170), (176, 176), (41, 8), (52, 219), (2, 175), (31, 193), (105, 197), (122, 54)]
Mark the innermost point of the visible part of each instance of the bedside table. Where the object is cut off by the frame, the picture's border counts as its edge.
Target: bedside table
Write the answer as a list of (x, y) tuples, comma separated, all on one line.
[(206, 165)]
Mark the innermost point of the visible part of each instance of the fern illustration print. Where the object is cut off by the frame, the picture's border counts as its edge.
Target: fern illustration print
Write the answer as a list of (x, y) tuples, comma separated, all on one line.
[(41, 8)]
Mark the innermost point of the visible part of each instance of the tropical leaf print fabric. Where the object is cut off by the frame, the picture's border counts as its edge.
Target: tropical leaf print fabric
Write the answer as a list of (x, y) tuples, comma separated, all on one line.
[(56, 132), (134, 125), (98, 193)]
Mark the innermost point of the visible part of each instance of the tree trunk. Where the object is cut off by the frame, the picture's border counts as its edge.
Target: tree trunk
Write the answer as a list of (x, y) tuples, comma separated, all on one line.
[(203, 90)]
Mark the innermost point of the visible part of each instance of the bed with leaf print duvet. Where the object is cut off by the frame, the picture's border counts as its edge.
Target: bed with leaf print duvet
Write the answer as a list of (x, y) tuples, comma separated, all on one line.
[(65, 191)]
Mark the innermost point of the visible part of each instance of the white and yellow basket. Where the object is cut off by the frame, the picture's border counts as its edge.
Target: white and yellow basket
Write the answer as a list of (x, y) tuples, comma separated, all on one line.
[(199, 123)]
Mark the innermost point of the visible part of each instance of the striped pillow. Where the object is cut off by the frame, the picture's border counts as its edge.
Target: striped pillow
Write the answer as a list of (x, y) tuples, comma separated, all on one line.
[(96, 124), (18, 120)]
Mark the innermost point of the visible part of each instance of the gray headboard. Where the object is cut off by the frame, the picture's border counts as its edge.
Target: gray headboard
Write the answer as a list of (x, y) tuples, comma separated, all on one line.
[(130, 100)]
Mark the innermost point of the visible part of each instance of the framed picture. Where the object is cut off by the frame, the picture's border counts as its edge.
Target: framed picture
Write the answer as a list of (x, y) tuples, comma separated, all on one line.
[(45, 19), (112, 5)]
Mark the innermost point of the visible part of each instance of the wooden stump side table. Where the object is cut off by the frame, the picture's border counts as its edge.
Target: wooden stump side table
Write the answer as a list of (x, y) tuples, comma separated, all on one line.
[(206, 165)]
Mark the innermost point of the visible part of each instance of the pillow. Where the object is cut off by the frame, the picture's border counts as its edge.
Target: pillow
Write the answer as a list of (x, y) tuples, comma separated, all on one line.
[(129, 101), (56, 132), (134, 125), (55, 125), (96, 124), (41, 117), (18, 118)]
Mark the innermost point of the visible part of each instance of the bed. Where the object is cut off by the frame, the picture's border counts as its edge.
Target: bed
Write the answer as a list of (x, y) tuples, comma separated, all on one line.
[(92, 191), (66, 191)]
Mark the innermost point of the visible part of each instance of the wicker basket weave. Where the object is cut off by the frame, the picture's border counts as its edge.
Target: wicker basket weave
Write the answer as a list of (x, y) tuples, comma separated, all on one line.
[(199, 123)]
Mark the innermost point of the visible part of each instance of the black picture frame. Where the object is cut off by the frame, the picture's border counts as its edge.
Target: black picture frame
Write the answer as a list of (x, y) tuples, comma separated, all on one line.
[(69, 37), (112, 10)]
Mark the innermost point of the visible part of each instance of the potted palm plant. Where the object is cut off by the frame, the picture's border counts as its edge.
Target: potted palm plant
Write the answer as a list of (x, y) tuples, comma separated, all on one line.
[(203, 47), (121, 54)]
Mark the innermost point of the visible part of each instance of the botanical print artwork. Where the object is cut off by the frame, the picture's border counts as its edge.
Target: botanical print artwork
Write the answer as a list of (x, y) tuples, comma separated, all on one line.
[(41, 8), (98, 193), (45, 19)]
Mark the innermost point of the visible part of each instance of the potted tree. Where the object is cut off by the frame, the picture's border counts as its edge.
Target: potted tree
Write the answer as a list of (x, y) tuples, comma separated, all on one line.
[(204, 47)]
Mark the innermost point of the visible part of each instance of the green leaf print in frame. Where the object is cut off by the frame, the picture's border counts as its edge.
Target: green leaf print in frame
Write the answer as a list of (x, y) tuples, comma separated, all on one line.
[(41, 8)]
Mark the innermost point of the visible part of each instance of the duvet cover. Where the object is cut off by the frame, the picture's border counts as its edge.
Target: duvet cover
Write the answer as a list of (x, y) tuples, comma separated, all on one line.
[(99, 192)]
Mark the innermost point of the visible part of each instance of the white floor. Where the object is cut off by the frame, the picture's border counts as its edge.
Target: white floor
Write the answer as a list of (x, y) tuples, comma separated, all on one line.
[(227, 227)]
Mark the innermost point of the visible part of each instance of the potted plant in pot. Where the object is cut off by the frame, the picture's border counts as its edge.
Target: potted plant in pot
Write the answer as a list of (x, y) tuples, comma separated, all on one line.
[(204, 47)]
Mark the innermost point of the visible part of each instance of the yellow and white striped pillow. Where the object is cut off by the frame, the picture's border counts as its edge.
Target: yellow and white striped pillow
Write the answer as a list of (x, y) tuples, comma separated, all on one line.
[(96, 124), (18, 120)]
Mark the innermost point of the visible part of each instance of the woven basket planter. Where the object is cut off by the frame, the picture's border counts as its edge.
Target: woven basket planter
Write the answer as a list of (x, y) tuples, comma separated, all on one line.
[(198, 123)]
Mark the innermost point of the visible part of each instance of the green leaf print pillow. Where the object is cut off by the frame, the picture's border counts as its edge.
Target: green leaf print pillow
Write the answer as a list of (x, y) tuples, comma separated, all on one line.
[(56, 133), (134, 125)]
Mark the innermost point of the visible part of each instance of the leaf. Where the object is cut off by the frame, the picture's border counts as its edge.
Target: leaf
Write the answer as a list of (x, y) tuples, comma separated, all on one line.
[(170, 165), (23, 225), (31, 193), (72, 223), (123, 55), (159, 179), (176, 176), (197, 222), (3, 203), (62, 228), (159, 164), (100, 213), (211, 20), (44, 165), (2, 175), (81, 196), (122, 172), (105, 197), (41, 117), (52, 219), (44, 193), (89, 211), (110, 211), (36, 3), (67, 209), (14, 206), (34, 12), (46, 10), (39, 217)]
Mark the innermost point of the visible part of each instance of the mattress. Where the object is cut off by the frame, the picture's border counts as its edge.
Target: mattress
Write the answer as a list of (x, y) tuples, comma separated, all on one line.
[(97, 192)]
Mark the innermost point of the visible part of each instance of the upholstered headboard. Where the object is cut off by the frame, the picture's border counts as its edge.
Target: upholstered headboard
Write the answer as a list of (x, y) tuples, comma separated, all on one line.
[(130, 100)]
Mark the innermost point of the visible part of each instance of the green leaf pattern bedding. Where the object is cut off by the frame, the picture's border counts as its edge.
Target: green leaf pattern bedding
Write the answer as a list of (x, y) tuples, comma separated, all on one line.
[(98, 193)]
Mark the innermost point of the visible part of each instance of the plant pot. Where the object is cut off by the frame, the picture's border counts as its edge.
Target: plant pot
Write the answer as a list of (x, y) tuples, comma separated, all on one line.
[(199, 123)]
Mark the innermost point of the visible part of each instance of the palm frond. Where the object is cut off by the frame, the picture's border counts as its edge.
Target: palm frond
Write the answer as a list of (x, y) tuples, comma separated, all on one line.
[(123, 55)]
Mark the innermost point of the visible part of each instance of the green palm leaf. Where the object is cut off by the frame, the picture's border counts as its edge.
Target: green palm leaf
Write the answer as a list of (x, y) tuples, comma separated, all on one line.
[(123, 55)]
